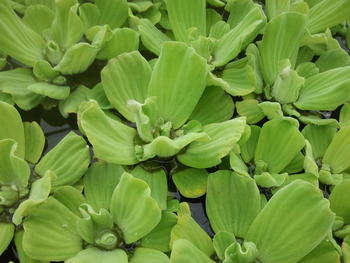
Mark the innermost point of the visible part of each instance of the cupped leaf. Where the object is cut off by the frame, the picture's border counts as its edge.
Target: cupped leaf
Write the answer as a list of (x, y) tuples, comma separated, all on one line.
[(273, 232), (50, 232), (249, 108), (12, 127), (50, 90), (7, 230), (112, 13), (185, 15), (72, 102), (156, 179), (177, 97), (275, 8), (98, 94), (99, 182), (148, 255), (338, 200), (44, 71), (15, 82), (337, 154), (70, 197), (121, 84), (281, 41), (123, 40), (223, 137), (29, 45), (113, 141), (184, 251), (233, 202), (39, 18), (13, 169), (191, 183), (133, 209), (279, 142), (94, 254), (331, 59), (241, 81), (69, 160), (325, 91), (159, 237)]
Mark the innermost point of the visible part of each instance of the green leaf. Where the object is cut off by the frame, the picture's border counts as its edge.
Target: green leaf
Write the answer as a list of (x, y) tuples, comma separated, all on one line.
[(50, 232), (12, 127), (112, 13), (99, 182), (94, 254), (184, 251), (275, 8), (241, 81), (326, 14), (134, 211), (69, 160), (338, 200), (221, 241), (213, 106), (281, 40), (148, 255), (331, 59), (232, 203), (123, 40), (39, 18), (159, 237), (97, 93), (15, 82), (325, 91), (272, 231), (50, 90), (13, 169), (279, 142), (113, 141), (122, 84), (72, 102), (223, 136), (77, 59), (177, 101), (325, 251), (70, 197), (187, 228), (29, 45), (191, 183), (186, 15), (89, 15), (43, 70), (250, 109), (7, 231)]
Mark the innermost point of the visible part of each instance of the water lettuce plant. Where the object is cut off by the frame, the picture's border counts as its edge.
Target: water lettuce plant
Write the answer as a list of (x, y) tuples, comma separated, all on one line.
[(238, 107)]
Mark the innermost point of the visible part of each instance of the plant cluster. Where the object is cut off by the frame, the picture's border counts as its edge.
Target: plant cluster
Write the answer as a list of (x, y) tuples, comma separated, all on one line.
[(244, 102)]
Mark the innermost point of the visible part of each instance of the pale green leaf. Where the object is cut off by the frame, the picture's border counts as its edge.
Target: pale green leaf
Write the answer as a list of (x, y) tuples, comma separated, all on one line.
[(331, 59), (123, 40), (250, 109), (273, 232), (97, 93), (184, 251), (325, 251), (39, 18), (7, 231), (72, 102), (338, 200), (112, 140), (94, 254), (44, 71), (34, 141), (177, 97), (191, 183), (148, 255), (50, 90), (89, 15), (241, 81), (112, 13), (134, 211), (232, 203), (70, 197)]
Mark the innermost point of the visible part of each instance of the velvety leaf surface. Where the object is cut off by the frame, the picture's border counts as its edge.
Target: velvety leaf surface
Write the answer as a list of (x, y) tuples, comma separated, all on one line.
[(134, 211), (339, 200), (184, 251), (148, 255), (7, 231), (38, 18), (272, 231), (112, 13), (50, 90), (50, 232), (232, 203), (70, 197), (72, 102), (123, 40), (93, 254), (191, 183), (177, 97)]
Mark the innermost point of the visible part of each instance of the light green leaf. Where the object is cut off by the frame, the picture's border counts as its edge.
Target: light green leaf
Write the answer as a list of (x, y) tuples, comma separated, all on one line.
[(99, 182), (213, 106), (242, 253), (177, 101), (281, 41), (69, 160), (275, 8), (97, 93), (12, 127), (70, 197), (223, 136), (148, 255), (50, 232), (94, 254), (307, 69), (89, 15), (250, 109), (7, 231), (338, 200), (159, 237), (77, 59), (29, 45), (221, 241), (50, 90), (123, 40), (43, 70), (241, 81), (268, 180), (191, 183), (248, 148), (134, 211), (13, 169), (67, 28), (156, 179), (232, 203), (325, 251), (331, 59), (113, 141), (122, 84), (279, 142), (39, 18), (184, 251), (15, 82), (325, 91), (112, 13), (185, 15), (272, 231), (326, 14), (72, 102)]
